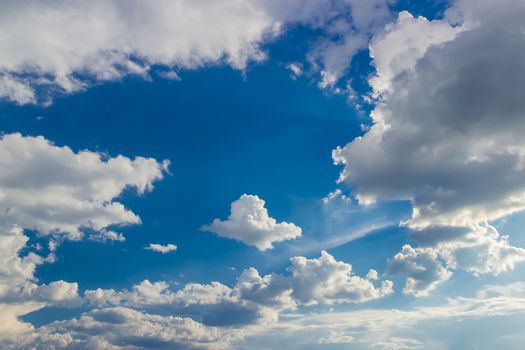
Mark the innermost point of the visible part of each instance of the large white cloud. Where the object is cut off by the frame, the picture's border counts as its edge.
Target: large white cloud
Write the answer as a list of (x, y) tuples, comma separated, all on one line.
[(447, 132), (250, 223), (64, 46), (122, 328), (54, 190), (328, 281)]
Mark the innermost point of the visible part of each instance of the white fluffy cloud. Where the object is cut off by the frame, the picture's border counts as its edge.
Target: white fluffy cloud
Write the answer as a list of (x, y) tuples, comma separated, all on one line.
[(447, 134), (163, 249), (62, 46), (250, 223), (73, 191), (254, 298)]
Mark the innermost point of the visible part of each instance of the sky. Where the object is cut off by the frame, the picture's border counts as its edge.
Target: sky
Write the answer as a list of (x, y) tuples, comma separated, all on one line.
[(259, 174)]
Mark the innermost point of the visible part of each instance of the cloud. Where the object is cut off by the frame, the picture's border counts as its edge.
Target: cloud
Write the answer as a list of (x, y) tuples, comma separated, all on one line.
[(61, 47), (447, 134), (423, 327), (122, 328), (163, 249), (69, 47), (73, 191), (453, 324), (327, 281), (423, 267), (296, 70), (250, 223), (344, 36), (19, 291), (64, 46), (397, 49), (254, 299), (107, 236)]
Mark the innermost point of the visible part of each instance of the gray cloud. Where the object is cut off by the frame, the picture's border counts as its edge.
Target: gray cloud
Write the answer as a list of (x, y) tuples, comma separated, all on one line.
[(447, 133)]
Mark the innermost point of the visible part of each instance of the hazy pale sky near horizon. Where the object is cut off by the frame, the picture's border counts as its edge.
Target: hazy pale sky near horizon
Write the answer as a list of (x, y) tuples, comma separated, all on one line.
[(262, 174)]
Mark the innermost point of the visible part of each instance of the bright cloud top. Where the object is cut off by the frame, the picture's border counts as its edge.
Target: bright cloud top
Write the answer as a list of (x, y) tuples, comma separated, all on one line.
[(250, 223)]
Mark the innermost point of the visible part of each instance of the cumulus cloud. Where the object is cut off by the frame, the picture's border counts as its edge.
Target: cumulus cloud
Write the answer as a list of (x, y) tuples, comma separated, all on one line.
[(63, 46), (328, 281), (122, 328), (73, 190), (250, 223), (254, 298), (401, 44), (447, 134), (163, 249)]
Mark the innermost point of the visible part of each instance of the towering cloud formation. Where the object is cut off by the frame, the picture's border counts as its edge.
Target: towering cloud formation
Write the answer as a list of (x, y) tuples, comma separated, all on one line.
[(447, 135)]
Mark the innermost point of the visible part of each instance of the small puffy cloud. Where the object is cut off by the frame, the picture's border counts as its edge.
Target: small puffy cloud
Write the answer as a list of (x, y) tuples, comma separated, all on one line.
[(19, 291), (250, 223), (296, 70), (73, 190), (107, 236), (336, 195), (163, 249)]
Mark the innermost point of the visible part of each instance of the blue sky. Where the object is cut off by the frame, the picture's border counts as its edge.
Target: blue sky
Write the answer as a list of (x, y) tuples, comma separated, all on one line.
[(342, 174)]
